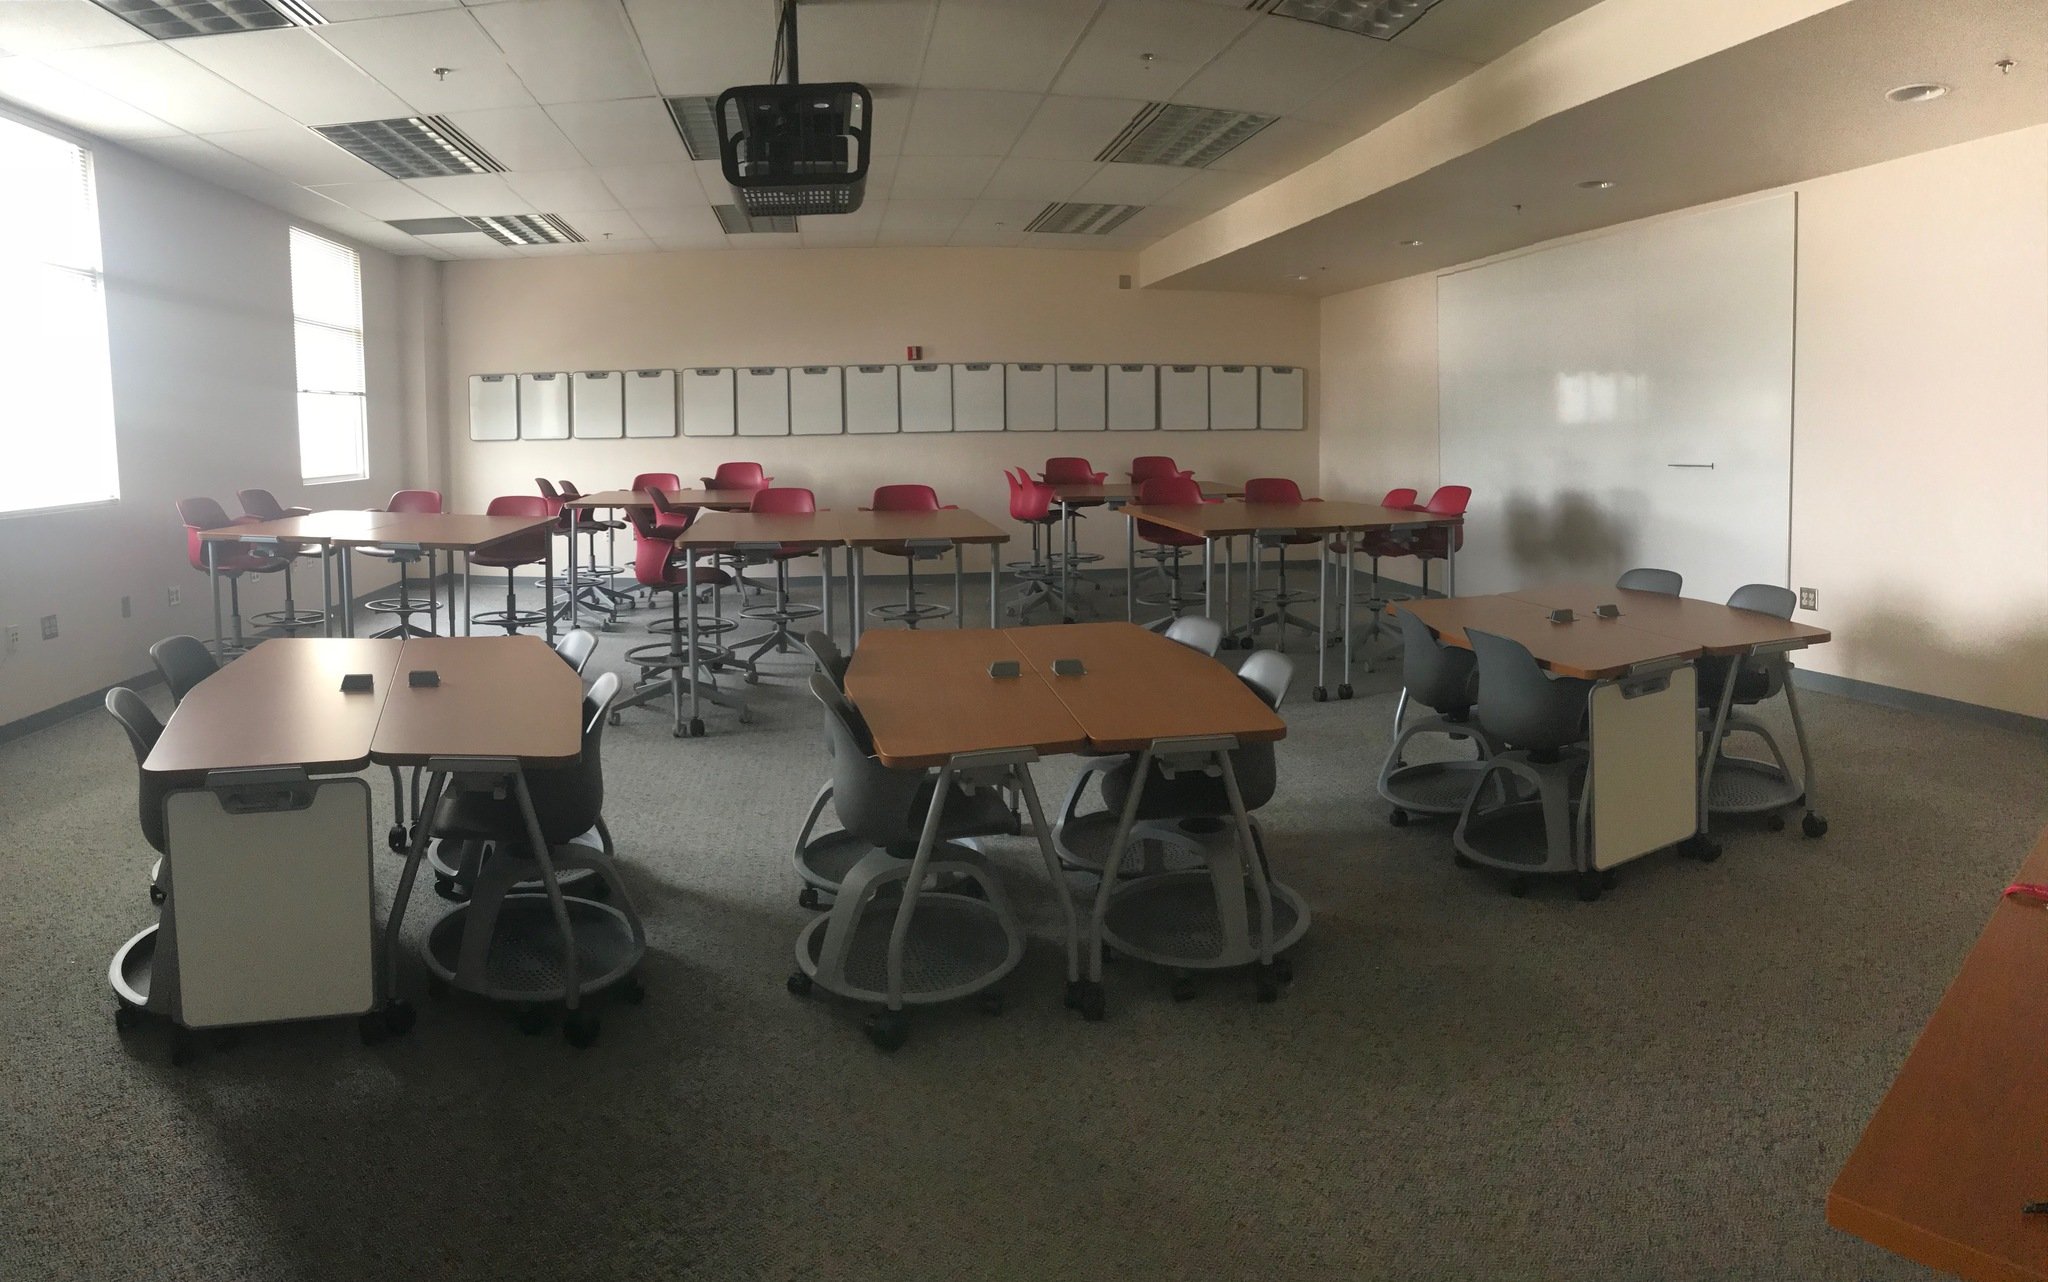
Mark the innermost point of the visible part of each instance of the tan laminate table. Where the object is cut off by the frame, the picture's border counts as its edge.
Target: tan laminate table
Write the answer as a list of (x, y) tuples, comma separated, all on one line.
[(280, 705), (928, 697), (1588, 648), (948, 527), (1137, 687), (453, 532), (327, 530)]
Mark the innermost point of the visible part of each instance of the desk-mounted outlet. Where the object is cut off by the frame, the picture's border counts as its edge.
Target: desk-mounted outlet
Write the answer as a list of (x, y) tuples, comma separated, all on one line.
[(1809, 598)]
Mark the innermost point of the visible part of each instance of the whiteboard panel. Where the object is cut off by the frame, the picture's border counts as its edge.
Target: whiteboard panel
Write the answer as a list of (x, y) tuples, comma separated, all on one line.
[(1184, 398), (763, 401), (927, 392), (708, 408), (1280, 398), (650, 403), (1028, 401), (817, 401), (1626, 400), (978, 398), (1233, 398), (871, 404), (597, 405), (544, 407), (1083, 398), (493, 407), (1133, 398)]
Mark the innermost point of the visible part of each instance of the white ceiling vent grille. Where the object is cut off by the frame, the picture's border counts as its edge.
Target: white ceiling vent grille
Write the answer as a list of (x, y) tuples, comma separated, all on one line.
[(412, 147), (1078, 218), (179, 19), (525, 229), (1167, 133), (734, 221), (1380, 19), (697, 121)]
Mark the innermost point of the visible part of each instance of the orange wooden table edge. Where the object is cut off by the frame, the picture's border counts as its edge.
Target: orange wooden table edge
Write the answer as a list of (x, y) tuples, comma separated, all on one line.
[(1924, 1246)]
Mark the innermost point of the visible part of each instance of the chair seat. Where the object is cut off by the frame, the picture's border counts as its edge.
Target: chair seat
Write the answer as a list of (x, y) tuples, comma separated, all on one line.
[(982, 814), (504, 560), (1167, 537), (708, 576), (244, 561)]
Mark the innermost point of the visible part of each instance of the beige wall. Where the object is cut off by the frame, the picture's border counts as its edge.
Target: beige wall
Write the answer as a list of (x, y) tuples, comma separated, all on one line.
[(774, 307), (199, 318), (1920, 416)]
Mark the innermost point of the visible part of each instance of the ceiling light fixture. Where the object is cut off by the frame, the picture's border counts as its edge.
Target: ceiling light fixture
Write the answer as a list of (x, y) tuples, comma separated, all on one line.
[(181, 19), (412, 147), (1081, 218), (1380, 19), (696, 119), (1167, 133), (1921, 91), (1597, 184), (525, 229)]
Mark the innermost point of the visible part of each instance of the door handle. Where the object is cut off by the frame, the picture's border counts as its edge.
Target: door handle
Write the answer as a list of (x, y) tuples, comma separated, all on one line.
[(1708, 466)]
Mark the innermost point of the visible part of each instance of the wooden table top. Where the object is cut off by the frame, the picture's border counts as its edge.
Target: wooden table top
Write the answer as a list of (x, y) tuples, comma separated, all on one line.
[(927, 697), (336, 526), (1234, 516), (498, 697), (1589, 648), (954, 525), (1714, 627), (449, 531), (1960, 1142), (281, 705), (1140, 687), (717, 500), (834, 528), (1066, 492)]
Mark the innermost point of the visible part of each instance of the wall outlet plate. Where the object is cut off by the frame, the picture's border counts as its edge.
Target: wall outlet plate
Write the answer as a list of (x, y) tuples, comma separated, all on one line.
[(176, 595), (49, 627), (127, 608), (1809, 598), (13, 640)]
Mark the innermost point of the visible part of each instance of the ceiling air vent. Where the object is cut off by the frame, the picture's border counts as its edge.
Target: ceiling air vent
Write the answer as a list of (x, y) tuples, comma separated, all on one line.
[(525, 229), (412, 147), (735, 221), (178, 19), (1380, 19), (1076, 218), (697, 121), (1167, 133), (431, 226)]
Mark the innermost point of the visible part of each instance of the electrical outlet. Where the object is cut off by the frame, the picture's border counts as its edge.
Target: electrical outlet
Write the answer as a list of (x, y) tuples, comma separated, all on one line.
[(176, 595), (127, 608), (49, 627), (1809, 598), (13, 640)]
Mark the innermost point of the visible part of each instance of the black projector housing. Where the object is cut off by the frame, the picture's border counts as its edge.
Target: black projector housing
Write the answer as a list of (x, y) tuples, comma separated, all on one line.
[(795, 150)]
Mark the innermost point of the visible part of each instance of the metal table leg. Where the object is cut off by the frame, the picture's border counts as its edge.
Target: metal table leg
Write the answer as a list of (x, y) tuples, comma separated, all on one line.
[(995, 580), (959, 568), (468, 626), (825, 587), (572, 568), (1700, 845), (690, 626), (1350, 561), (1322, 690), (857, 565), (213, 580), (1131, 570), (327, 587), (433, 595), (1208, 575), (547, 591)]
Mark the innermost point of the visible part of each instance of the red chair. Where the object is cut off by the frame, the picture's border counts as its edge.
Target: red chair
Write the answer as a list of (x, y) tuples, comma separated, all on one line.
[(415, 502), (262, 505), (1147, 466), (912, 498), (782, 611), (738, 476), (1031, 503), (1439, 542), (596, 582), (223, 559), (667, 668), (528, 548), (1170, 491), (1273, 606), (1379, 543), (1072, 471)]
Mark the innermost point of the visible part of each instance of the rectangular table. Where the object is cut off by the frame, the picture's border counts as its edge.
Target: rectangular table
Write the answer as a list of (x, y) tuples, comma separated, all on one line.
[(466, 533), (280, 705), (956, 528), (326, 530), (1072, 496), (636, 500), (1960, 1142)]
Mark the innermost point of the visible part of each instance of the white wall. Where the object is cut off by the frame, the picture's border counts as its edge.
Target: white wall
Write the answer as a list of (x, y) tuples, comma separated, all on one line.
[(199, 319), (1920, 416)]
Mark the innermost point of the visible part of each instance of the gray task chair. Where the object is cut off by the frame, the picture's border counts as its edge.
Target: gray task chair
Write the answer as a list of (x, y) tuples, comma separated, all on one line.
[(144, 730), (1539, 724), (823, 860), (1202, 635), (183, 662), (1647, 579), (576, 648), (1443, 679), (1741, 785), (921, 945)]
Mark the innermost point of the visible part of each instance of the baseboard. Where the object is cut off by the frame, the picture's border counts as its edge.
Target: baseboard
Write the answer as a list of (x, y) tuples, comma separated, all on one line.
[(22, 727), (1933, 705)]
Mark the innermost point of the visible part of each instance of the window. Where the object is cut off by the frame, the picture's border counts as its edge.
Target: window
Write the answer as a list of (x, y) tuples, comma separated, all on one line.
[(56, 388), (327, 309)]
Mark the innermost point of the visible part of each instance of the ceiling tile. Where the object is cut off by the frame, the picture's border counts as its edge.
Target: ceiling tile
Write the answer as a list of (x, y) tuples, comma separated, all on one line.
[(966, 122), (940, 177), (925, 215), (298, 155), (42, 26), (1029, 178), (1008, 216), (764, 240), (1002, 44), (1132, 184), (294, 71), (570, 50), (358, 10), (1277, 65), (707, 46), (1281, 147), (638, 186), (156, 78), (710, 181), (1110, 62), (1478, 31), (632, 131), (472, 194), (990, 237), (469, 244), (1208, 189), (670, 222), (385, 199), (1391, 82), (838, 237), (923, 237), (876, 42), (622, 245), (73, 102), (596, 224), (563, 191), (1074, 128), (700, 238), (403, 52), (1054, 240), (892, 118), (519, 137)]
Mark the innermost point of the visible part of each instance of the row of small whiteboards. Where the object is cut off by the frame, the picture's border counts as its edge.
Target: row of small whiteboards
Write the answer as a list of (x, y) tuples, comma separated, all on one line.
[(828, 400)]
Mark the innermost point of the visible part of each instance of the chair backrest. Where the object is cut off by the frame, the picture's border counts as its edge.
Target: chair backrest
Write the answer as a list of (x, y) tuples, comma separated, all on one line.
[(1196, 633), (576, 648), (1646, 578), (1438, 676), (1765, 598), (683, 516), (873, 802), (1029, 500), (143, 730), (202, 514), (1519, 704), (1449, 500), (1169, 491), (569, 800), (1399, 497), (657, 481), (183, 662), (738, 476), (1269, 673), (1146, 466), (547, 488), (568, 489), (905, 498), (1271, 489), (784, 499), (831, 661), (261, 504), (654, 559), (1071, 471), (417, 501), (529, 546)]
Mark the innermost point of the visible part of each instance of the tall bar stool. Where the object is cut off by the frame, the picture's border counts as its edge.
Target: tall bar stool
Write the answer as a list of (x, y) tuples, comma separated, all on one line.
[(527, 548), (1437, 544), (1274, 606), (228, 560), (587, 587), (1170, 491), (1374, 545), (1069, 559), (261, 505), (747, 478), (781, 612), (1031, 503), (1148, 467), (600, 582), (910, 612), (666, 670), (421, 502)]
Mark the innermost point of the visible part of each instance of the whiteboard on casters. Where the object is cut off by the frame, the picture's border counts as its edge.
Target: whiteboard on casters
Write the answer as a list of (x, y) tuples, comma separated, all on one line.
[(1083, 398), (597, 405), (1028, 401), (650, 403), (871, 400), (817, 401), (544, 407), (1184, 398), (1626, 400), (708, 408), (1233, 398), (1133, 398), (493, 407), (978, 398), (927, 396), (763, 399)]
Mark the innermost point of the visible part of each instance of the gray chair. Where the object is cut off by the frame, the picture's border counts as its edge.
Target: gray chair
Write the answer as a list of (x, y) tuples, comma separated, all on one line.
[(1539, 726), (1443, 679), (1741, 785), (576, 647), (822, 861), (144, 730), (1647, 579), (1196, 633), (183, 662), (920, 945)]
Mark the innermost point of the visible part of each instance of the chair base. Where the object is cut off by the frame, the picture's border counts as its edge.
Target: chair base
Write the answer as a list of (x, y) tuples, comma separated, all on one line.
[(524, 959), (1172, 919), (290, 620), (1535, 831), (958, 946)]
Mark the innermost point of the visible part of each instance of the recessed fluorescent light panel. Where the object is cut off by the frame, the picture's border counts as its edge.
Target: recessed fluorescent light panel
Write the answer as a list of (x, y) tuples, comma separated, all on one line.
[(697, 121), (1078, 218), (179, 19), (1167, 133), (412, 147), (734, 221), (448, 226), (1380, 19), (525, 229)]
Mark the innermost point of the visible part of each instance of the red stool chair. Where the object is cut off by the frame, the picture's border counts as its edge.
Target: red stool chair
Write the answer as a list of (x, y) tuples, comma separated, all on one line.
[(782, 612), (528, 548), (667, 668), (602, 577), (1375, 545), (1273, 607), (1440, 542), (262, 505), (419, 502), (738, 476), (223, 559), (1031, 503), (1148, 467), (910, 611), (1170, 491), (1072, 471)]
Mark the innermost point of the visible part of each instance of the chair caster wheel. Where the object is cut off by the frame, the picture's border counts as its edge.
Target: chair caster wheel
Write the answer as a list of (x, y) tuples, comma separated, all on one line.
[(445, 887), (1344, 691), (991, 1003), (809, 898), (1462, 860), (1184, 989), (1813, 825), (532, 1021), (888, 1029), (696, 727), (399, 1016), (157, 895), (1590, 886), (1283, 969), (1704, 849), (752, 678), (799, 984), (395, 838), (1518, 887), (1319, 694), (1266, 983), (579, 1029), (1776, 823), (126, 1017), (1398, 817), (614, 718), (632, 990)]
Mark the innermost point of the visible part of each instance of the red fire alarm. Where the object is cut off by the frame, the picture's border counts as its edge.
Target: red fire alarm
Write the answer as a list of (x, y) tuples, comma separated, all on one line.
[(913, 353)]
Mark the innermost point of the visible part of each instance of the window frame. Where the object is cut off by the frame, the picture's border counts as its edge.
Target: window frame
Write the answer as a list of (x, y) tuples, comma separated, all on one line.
[(300, 390)]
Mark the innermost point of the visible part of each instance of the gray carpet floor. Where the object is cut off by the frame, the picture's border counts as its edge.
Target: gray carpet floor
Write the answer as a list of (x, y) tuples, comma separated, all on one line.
[(1458, 1084)]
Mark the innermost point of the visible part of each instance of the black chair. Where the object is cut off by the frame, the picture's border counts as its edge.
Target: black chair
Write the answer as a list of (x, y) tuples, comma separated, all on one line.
[(1444, 680), (183, 662), (144, 730), (576, 647), (1648, 579)]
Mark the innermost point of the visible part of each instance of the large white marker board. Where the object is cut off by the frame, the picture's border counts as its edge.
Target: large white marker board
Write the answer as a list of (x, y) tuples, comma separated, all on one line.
[(1029, 403), (1083, 398), (493, 407), (1133, 398), (1280, 395), (650, 403), (1184, 398), (763, 398), (978, 398), (927, 394), (544, 407), (871, 400), (597, 405), (708, 406), (1233, 398), (817, 401)]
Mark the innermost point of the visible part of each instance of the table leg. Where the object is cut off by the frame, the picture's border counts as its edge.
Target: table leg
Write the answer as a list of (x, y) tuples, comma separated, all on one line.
[(857, 565), (1451, 560), (433, 595), (437, 782), (468, 625), (1131, 570), (572, 569), (213, 581), (1058, 879), (1700, 845), (537, 840), (1111, 863), (690, 628), (1229, 546), (547, 589), (1067, 568), (899, 931), (959, 568), (327, 586), (995, 579), (1208, 579), (825, 586), (1344, 687), (1322, 690), (1814, 824)]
